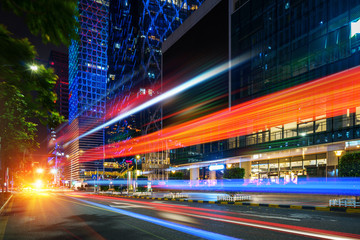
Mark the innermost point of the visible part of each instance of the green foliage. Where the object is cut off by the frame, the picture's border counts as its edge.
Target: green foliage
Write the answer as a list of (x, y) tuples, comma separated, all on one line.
[(142, 177), (234, 173), (27, 94), (349, 165), (54, 20), (104, 188), (176, 175), (16, 133), (36, 86), (24, 95), (141, 189)]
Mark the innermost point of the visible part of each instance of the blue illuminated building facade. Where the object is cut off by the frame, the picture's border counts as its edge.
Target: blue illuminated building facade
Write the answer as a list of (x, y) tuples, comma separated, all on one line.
[(136, 32), (290, 42), (87, 84)]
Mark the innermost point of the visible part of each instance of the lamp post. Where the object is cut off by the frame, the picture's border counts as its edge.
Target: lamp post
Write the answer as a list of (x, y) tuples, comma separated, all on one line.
[(338, 153)]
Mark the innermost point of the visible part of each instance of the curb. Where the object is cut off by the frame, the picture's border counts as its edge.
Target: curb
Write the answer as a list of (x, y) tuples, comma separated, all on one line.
[(298, 207), (4, 205)]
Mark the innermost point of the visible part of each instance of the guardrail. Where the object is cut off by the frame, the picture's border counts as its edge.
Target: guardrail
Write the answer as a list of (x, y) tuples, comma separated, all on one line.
[(345, 202), (176, 195), (235, 198)]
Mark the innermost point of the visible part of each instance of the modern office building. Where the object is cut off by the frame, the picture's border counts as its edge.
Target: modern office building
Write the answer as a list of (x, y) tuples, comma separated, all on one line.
[(60, 63), (201, 43), (290, 43), (136, 32), (87, 86)]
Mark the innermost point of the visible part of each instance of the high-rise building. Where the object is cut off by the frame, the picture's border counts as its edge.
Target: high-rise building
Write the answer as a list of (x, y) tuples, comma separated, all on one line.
[(199, 44), (137, 30), (87, 85), (60, 63), (288, 43)]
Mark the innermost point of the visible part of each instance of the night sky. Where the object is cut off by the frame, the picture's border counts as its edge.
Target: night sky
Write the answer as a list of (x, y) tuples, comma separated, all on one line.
[(17, 26)]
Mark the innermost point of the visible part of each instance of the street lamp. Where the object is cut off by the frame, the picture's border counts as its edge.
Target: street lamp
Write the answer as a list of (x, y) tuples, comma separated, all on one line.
[(39, 170), (34, 68), (338, 154), (137, 158)]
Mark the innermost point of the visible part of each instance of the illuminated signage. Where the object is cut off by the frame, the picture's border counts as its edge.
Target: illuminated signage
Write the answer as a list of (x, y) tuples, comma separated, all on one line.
[(355, 28), (216, 167)]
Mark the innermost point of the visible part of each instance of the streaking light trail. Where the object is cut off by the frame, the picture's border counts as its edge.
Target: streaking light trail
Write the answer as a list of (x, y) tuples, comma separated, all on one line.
[(189, 84), (233, 218), (327, 97), (329, 186), (164, 223)]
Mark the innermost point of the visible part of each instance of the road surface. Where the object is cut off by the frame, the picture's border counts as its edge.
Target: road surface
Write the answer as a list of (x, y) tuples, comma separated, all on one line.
[(47, 215)]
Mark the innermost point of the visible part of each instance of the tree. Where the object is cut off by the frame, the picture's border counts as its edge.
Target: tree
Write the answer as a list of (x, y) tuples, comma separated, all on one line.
[(54, 20), (349, 165), (234, 173), (17, 134), (26, 94)]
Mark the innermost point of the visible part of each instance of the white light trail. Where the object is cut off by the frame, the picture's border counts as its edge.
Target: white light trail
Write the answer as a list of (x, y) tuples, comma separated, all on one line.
[(191, 83)]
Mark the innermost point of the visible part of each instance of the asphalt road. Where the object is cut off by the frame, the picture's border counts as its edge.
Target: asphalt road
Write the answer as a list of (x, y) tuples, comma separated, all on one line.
[(85, 216)]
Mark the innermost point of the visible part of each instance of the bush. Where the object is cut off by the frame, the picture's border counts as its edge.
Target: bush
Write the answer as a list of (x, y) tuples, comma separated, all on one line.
[(234, 173), (349, 165), (104, 188), (176, 175), (141, 189)]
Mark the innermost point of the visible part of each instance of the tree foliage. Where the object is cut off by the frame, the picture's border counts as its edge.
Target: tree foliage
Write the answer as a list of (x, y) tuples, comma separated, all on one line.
[(54, 20), (17, 134), (349, 165), (27, 94), (234, 173), (176, 175)]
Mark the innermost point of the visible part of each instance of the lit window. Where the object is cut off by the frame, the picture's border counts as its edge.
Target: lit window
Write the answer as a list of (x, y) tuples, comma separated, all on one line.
[(355, 28)]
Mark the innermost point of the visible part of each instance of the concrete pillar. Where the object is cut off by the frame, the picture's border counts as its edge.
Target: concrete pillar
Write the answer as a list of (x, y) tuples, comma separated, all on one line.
[(212, 175), (247, 166), (194, 173), (332, 161)]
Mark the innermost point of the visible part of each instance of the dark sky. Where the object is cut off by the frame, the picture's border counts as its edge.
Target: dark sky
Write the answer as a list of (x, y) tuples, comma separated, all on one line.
[(18, 27)]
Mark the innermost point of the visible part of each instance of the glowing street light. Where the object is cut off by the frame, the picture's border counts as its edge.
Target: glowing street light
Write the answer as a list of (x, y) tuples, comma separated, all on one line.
[(38, 183), (34, 68), (40, 170), (53, 171), (338, 153)]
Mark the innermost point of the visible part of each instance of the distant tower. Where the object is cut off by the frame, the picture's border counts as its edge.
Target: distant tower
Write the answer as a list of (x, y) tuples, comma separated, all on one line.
[(87, 85), (60, 63)]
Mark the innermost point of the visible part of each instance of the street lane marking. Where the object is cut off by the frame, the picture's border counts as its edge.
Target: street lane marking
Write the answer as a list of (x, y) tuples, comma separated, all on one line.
[(129, 205), (252, 214), (4, 219)]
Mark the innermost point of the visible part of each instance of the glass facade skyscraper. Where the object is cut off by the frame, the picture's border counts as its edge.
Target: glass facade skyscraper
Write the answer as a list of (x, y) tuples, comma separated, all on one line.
[(289, 43), (87, 83)]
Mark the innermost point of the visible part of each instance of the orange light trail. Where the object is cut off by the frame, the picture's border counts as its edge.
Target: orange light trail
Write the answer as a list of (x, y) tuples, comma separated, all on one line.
[(329, 96)]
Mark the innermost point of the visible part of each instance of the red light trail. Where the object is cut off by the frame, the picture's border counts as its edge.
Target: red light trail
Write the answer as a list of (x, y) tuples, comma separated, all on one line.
[(329, 96)]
